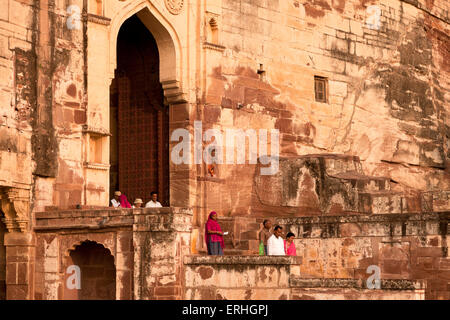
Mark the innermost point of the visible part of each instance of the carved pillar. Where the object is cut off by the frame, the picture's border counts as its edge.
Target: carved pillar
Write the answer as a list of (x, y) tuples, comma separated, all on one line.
[(19, 243)]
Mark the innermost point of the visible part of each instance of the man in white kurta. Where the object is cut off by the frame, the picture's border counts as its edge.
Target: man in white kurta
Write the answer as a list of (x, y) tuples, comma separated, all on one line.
[(154, 203), (275, 244)]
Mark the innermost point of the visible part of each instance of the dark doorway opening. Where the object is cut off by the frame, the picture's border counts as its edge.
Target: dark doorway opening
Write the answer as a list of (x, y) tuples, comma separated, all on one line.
[(97, 272), (139, 118), (2, 259)]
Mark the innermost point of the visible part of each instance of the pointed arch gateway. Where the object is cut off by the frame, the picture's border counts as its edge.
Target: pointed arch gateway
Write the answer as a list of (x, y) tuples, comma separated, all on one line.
[(144, 86)]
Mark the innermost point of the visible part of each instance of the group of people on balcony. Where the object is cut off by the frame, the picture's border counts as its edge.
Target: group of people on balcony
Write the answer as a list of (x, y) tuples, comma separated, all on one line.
[(271, 243), (120, 201)]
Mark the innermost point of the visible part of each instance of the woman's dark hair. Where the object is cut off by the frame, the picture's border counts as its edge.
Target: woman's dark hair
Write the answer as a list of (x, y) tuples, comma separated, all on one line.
[(265, 221), (277, 227), (290, 234)]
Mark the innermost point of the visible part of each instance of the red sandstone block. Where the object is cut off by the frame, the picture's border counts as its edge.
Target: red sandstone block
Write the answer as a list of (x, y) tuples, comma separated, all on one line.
[(429, 252), (167, 291), (80, 117), (11, 273), (22, 273), (444, 264), (437, 285), (443, 275), (167, 298), (17, 292), (442, 295), (425, 262), (125, 242), (18, 239), (423, 274)]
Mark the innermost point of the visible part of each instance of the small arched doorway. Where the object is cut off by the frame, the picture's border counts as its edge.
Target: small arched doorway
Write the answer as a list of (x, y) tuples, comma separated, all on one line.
[(2, 259), (97, 275), (139, 118)]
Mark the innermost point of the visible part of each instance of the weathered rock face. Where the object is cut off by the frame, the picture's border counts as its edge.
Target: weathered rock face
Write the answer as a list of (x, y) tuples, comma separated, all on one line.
[(387, 81)]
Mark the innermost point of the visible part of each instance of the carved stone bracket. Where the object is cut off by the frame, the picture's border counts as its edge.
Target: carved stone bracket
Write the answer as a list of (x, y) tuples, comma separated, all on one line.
[(173, 92), (15, 204)]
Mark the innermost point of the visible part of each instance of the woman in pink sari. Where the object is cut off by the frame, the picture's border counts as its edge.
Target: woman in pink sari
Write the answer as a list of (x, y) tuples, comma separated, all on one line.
[(124, 201), (289, 246), (214, 235)]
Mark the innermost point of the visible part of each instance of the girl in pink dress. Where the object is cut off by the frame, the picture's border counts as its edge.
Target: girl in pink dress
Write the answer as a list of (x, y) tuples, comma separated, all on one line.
[(289, 246)]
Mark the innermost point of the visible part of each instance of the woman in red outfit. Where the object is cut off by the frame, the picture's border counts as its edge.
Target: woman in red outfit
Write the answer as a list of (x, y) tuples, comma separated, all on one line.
[(289, 246), (214, 235)]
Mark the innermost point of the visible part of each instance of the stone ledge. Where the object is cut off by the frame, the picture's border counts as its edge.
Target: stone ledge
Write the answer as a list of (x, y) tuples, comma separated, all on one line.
[(97, 19), (84, 226), (434, 216), (241, 260), (86, 211), (213, 46), (391, 284)]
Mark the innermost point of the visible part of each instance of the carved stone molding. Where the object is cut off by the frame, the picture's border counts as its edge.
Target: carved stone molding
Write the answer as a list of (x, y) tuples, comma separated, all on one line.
[(213, 46), (98, 19), (96, 166), (15, 204), (95, 131), (174, 6)]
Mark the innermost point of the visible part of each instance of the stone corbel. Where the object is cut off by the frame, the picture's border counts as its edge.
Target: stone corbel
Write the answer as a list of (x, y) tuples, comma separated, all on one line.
[(173, 92), (15, 204)]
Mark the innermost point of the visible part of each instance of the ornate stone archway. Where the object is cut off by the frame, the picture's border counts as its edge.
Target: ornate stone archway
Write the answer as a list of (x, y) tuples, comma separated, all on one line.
[(171, 77)]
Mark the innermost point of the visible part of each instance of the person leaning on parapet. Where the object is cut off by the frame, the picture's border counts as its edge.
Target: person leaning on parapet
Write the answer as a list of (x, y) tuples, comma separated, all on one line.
[(124, 201), (153, 203), (265, 234), (214, 235), (289, 246), (116, 200), (275, 244), (137, 203)]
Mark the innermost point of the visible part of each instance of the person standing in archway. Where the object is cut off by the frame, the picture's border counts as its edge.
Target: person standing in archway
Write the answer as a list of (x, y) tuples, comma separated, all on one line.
[(214, 235)]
